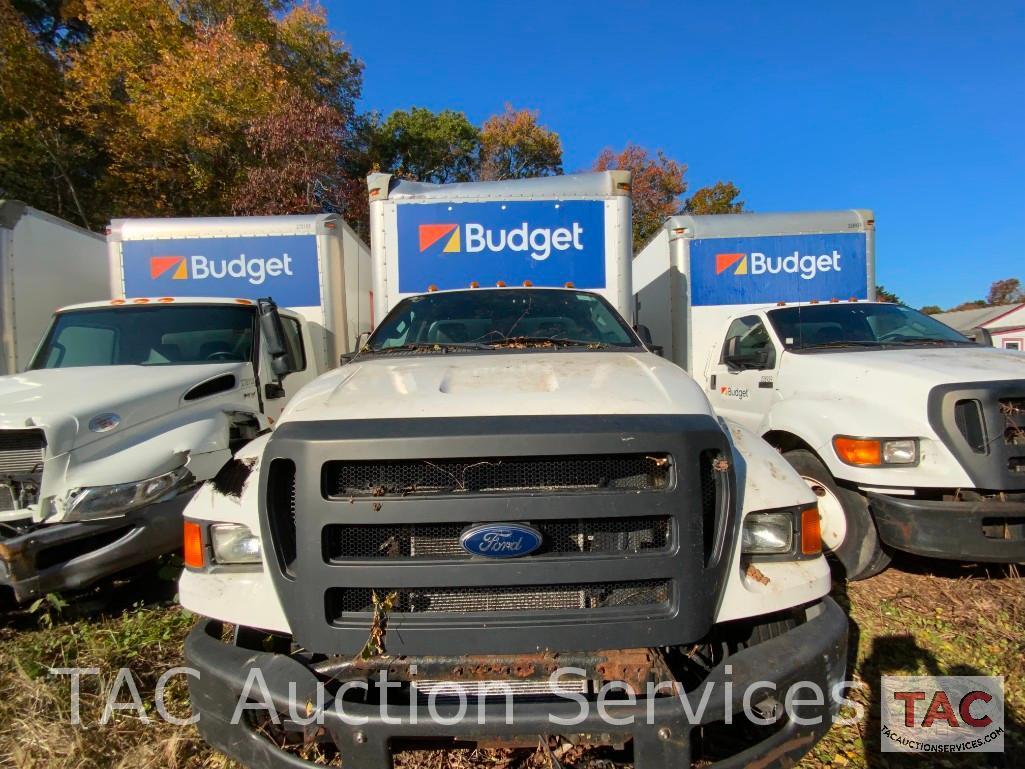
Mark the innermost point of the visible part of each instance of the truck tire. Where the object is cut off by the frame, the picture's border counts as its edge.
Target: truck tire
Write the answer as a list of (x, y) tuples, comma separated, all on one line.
[(849, 535)]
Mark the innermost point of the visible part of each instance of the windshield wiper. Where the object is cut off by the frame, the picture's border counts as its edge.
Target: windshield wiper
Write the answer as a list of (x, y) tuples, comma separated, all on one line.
[(925, 340), (431, 347), (544, 341), (843, 343)]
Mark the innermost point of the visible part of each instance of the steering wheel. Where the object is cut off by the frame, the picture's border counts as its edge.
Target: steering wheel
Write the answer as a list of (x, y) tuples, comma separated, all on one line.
[(221, 355)]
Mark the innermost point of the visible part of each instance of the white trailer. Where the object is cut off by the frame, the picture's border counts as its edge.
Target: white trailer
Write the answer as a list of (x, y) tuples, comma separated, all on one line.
[(130, 403), (45, 263), (909, 434)]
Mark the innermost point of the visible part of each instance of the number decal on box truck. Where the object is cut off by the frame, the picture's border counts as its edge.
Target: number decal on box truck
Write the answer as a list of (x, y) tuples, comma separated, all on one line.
[(778, 268), (549, 243), (281, 266)]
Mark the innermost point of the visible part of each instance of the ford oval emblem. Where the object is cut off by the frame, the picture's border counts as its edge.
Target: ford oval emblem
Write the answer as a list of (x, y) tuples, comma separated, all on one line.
[(500, 540)]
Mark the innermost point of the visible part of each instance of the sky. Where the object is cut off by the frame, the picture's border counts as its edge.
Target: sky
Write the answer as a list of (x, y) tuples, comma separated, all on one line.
[(915, 110)]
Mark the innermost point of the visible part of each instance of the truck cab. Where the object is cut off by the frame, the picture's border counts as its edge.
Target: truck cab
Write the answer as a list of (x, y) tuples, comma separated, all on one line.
[(501, 510), (125, 408), (909, 433)]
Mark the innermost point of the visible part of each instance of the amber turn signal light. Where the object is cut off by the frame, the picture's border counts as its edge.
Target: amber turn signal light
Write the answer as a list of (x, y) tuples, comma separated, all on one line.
[(811, 531), (867, 452), (194, 545)]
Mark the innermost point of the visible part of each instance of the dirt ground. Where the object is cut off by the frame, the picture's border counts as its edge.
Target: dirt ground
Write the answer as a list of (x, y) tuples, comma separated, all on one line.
[(916, 618)]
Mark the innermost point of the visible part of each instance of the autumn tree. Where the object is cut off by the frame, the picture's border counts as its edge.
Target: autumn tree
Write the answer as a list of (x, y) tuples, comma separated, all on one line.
[(514, 146), (1006, 291), (42, 160), (932, 309), (657, 185), (882, 295), (719, 198), (297, 169)]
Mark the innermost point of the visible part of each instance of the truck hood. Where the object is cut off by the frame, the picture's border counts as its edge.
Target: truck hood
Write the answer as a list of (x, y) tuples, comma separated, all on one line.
[(499, 384), (63, 401), (921, 369)]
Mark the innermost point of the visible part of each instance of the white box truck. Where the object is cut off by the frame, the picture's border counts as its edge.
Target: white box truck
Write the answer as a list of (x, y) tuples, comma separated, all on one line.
[(45, 263), (911, 436), (130, 403), (505, 500)]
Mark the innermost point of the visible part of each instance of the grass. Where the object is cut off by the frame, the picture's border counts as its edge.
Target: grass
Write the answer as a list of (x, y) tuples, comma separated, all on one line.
[(919, 618)]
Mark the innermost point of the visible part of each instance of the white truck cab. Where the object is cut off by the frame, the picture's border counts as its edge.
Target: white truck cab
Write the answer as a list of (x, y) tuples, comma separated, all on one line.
[(910, 435), (504, 481), (129, 404)]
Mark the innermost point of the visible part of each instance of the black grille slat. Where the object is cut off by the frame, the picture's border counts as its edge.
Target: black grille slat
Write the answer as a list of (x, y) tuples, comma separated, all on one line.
[(589, 536), (504, 598), (611, 472)]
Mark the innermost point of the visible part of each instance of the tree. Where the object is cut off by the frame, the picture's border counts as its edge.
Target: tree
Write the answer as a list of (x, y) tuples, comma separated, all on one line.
[(932, 309), (882, 295), (42, 160), (974, 304), (1006, 291), (427, 146), (170, 106), (657, 185), (720, 198), (298, 170), (514, 146)]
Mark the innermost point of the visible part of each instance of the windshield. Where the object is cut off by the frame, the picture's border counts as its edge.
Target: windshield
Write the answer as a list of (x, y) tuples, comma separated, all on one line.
[(859, 325), (148, 336), (509, 318)]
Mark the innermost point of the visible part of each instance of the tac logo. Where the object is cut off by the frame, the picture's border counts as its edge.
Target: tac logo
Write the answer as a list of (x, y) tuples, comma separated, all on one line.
[(942, 714), (161, 265), (432, 233), (757, 263), (723, 262)]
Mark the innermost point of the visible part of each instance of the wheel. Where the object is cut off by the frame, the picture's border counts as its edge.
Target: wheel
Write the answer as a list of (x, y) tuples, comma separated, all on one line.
[(849, 536)]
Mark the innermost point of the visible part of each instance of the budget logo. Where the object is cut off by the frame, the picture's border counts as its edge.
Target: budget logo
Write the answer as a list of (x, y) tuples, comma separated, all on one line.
[(723, 262), (161, 265), (807, 266), (432, 233)]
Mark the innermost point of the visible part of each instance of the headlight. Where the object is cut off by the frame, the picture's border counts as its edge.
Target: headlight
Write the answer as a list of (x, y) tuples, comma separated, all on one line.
[(102, 501), (768, 533), (876, 452), (234, 543), (790, 532)]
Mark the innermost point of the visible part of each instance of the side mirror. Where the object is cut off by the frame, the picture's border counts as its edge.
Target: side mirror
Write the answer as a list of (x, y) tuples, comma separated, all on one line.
[(645, 335), (272, 331)]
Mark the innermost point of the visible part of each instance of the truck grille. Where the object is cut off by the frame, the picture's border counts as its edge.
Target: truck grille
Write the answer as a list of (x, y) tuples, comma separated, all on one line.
[(441, 540), (613, 472), (492, 599), (983, 424), (21, 451)]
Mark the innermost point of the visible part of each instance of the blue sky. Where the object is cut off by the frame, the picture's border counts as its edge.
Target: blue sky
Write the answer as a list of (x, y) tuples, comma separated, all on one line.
[(913, 109)]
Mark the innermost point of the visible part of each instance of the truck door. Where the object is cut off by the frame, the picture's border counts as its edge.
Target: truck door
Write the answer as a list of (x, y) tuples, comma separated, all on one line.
[(741, 382), (276, 394)]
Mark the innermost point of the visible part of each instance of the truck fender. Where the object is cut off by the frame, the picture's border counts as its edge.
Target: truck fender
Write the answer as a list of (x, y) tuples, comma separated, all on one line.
[(239, 596), (765, 481), (813, 421)]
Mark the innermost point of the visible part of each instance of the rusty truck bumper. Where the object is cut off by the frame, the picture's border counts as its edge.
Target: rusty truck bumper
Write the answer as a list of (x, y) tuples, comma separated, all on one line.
[(984, 530), (661, 732)]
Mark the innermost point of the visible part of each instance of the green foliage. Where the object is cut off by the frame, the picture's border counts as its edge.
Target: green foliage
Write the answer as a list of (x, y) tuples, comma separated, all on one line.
[(720, 198), (932, 309), (439, 147)]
